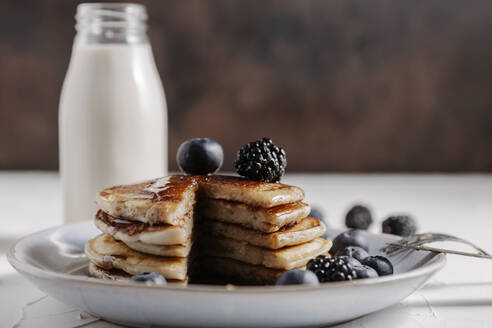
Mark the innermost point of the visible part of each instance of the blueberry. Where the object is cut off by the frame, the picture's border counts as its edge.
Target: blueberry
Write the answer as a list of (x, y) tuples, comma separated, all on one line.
[(381, 264), (150, 278), (200, 156), (350, 260), (297, 277), (358, 217), (364, 271), (349, 238), (354, 251), (401, 225)]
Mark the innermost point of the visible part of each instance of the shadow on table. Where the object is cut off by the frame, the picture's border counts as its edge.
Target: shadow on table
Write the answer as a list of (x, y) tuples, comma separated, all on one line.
[(6, 242), (418, 311), (393, 316), (458, 285), (456, 302)]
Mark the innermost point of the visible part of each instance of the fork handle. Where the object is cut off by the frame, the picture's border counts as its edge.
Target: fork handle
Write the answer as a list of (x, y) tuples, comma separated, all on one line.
[(441, 250)]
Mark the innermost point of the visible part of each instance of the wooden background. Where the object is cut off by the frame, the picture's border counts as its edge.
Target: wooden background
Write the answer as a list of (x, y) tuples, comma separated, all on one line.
[(342, 85)]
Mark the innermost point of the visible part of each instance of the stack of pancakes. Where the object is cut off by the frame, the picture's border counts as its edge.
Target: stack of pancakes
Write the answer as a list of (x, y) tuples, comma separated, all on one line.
[(146, 227), (243, 231)]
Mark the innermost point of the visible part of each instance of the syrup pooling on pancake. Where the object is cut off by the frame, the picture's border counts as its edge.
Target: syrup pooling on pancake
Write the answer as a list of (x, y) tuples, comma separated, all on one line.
[(158, 186), (164, 200), (168, 188)]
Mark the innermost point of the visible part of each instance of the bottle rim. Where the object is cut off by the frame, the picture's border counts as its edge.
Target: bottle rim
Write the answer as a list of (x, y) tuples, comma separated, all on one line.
[(111, 14), (111, 23)]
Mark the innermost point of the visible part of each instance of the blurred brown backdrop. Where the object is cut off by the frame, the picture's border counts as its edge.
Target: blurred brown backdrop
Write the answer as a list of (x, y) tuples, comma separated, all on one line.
[(342, 85)]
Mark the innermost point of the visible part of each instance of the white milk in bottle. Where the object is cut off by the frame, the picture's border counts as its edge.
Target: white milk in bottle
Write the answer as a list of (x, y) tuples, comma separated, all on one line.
[(113, 115)]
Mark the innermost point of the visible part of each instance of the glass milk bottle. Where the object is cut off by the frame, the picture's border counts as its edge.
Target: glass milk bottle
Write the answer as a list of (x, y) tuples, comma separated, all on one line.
[(113, 114)]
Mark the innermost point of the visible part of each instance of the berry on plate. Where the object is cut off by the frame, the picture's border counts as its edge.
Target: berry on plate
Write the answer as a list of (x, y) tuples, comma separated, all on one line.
[(349, 238), (379, 263), (150, 278), (401, 225), (351, 260), (297, 277), (200, 156), (353, 251), (261, 161), (358, 217), (332, 269), (364, 271)]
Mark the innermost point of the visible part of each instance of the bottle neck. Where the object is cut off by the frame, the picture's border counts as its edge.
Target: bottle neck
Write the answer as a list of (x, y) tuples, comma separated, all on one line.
[(111, 23)]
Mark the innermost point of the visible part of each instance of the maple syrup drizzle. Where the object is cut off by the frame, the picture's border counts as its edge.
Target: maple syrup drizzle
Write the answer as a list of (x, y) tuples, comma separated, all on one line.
[(167, 188)]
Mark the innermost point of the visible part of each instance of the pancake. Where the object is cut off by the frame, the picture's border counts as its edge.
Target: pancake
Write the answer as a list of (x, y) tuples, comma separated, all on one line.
[(161, 250), (107, 274), (305, 230), (258, 218), (253, 193), (156, 234), (165, 200), (108, 253), (286, 258), (119, 275), (226, 270)]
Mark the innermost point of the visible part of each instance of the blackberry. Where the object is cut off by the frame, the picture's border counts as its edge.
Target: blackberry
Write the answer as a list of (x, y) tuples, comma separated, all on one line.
[(401, 225), (332, 269), (358, 217), (261, 160)]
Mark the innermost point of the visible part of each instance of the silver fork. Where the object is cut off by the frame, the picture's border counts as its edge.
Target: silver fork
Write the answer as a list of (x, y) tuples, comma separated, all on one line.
[(418, 241)]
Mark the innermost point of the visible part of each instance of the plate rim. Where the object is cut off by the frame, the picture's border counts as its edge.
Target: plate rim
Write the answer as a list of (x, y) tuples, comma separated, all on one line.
[(30, 269)]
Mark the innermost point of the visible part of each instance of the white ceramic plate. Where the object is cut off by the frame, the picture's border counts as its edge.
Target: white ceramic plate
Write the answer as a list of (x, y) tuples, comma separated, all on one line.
[(54, 261)]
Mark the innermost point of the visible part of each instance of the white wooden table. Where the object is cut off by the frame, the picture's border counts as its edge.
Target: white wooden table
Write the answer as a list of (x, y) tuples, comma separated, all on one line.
[(459, 296)]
